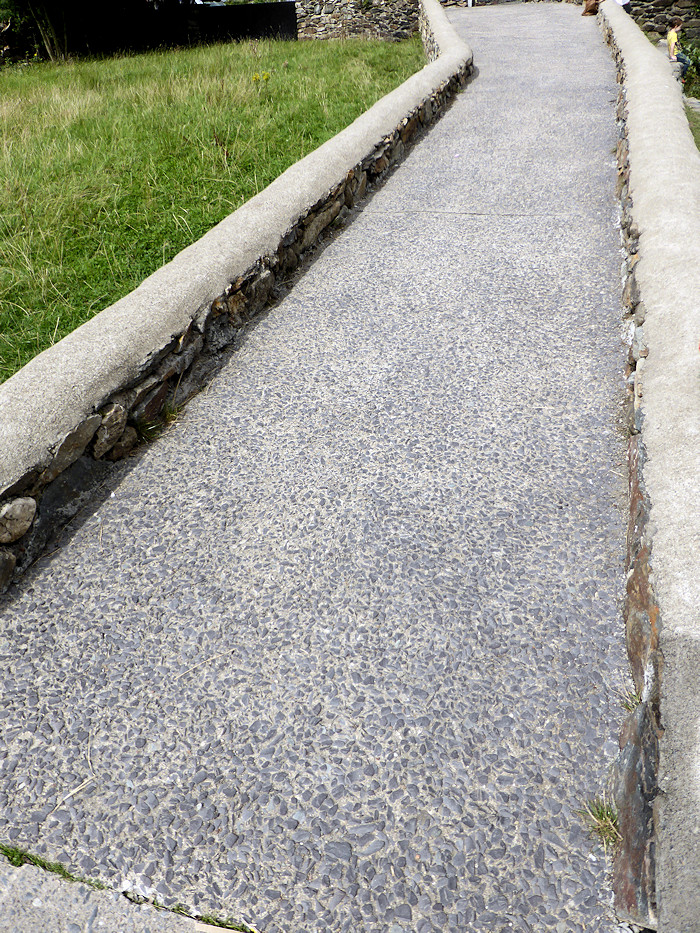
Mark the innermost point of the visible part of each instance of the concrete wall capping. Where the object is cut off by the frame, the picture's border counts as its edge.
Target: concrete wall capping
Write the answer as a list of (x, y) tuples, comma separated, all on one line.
[(656, 780), (89, 399)]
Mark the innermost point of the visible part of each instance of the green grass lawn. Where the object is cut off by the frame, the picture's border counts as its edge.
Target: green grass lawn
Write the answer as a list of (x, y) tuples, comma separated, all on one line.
[(109, 168)]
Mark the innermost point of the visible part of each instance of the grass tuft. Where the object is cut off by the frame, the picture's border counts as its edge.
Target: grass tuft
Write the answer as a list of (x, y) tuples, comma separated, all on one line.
[(148, 430), (601, 820), (630, 698)]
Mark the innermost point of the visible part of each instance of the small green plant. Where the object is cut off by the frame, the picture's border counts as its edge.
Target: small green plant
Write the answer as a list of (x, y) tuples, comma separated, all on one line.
[(600, 817), (171, 412), (209, 919), (18, 857), (630, 698), (148, 430), (226, 924)]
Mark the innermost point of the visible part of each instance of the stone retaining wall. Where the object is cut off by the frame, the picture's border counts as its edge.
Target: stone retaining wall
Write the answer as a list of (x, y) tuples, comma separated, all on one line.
[(636, 769), (655, 781), (90, 399), (381, 19)]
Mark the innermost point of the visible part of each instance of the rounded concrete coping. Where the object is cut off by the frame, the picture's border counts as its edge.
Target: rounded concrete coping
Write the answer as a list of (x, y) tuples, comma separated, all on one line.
[(664, 185), (46, 400)]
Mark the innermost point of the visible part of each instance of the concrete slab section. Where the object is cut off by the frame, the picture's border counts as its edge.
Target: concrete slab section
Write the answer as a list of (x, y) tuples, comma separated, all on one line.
[(341, 651)]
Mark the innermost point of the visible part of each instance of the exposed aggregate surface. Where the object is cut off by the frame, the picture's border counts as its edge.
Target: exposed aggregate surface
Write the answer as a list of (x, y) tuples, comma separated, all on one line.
[(341, 651)]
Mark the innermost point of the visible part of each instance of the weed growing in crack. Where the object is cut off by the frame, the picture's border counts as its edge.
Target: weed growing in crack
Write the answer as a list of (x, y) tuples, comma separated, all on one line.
[(630, 698), (148, 430), (18, 857), (600, 817)]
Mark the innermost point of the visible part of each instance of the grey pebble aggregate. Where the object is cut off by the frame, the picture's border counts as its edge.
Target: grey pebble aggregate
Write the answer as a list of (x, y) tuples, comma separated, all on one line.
[(341, 650)]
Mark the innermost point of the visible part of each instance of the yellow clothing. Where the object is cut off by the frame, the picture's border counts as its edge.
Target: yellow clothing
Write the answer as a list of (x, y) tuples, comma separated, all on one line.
[(672, 39)]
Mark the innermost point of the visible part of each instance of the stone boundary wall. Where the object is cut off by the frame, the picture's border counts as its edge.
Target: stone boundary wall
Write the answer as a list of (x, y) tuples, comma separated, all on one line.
[(655, 783), (395, 19), (655, 17), (91, 398), (340, 19)]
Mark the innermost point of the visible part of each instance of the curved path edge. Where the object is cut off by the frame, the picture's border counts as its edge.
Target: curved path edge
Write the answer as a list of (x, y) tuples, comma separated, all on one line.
[(658, 778), (86, 398)]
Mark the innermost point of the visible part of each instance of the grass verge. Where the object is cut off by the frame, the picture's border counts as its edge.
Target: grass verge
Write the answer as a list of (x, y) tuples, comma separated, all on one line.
[(109, 168), (694, 121)]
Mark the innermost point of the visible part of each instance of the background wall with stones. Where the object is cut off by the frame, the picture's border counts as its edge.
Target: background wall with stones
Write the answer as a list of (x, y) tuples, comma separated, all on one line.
[(328, 19), (656, 16)]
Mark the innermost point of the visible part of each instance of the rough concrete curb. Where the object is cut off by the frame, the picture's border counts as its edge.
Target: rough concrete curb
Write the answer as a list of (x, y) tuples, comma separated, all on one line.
[(660, 190), (130, 360)]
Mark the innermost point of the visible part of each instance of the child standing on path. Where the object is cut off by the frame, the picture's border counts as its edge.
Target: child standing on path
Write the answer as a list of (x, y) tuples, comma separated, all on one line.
[(674, 52)]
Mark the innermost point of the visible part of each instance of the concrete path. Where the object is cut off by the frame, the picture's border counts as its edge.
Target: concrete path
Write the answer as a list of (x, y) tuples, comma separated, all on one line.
[(341, 650)]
